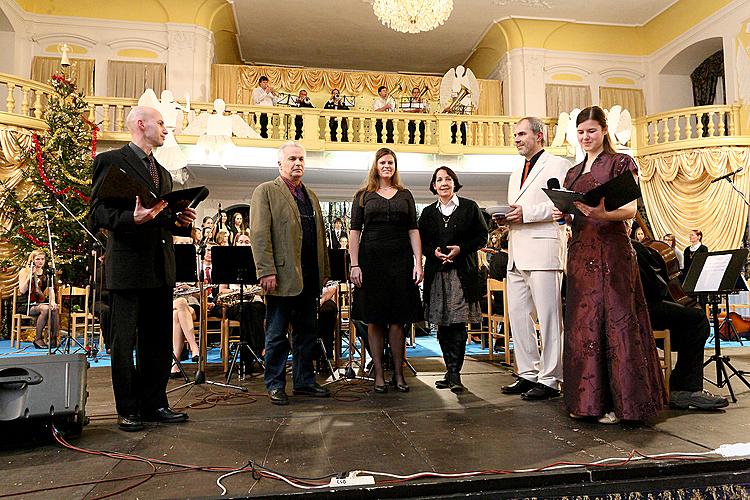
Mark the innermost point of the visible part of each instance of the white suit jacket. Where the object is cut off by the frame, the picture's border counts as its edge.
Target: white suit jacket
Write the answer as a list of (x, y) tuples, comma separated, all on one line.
[(535, 244)]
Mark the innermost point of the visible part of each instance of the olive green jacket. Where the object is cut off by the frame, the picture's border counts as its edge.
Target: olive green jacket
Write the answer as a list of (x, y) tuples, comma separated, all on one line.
[(276, 237)]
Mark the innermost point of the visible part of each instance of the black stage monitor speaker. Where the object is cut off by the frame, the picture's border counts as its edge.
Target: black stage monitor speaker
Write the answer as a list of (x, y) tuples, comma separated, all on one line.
[(37, 392)]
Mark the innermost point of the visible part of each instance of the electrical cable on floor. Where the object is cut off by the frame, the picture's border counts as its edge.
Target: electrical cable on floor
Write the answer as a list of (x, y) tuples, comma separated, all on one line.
[(258, 471)]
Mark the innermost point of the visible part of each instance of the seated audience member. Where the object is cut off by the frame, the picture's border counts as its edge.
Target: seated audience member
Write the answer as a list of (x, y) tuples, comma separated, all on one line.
[(302, 101), (336, 102), (335, 234), (327, 317), (689, 330), (185, 310), (250, 313), (222, 238), (34, 298)]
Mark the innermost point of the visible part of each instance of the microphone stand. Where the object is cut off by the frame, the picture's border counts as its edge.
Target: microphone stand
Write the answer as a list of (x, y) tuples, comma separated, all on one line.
[(51, 274), (90, 349)]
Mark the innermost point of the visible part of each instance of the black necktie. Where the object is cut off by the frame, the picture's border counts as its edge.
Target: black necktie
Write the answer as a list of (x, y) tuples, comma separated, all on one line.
[(153, 170)]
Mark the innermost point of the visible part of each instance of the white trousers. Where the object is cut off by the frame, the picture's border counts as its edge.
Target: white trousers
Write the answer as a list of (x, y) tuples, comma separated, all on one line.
[(540, 291)]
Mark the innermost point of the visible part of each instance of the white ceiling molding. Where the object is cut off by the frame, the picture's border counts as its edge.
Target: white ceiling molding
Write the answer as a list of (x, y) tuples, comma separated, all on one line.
[(136, 43), (87, 42), (567, 68), (622, 72)]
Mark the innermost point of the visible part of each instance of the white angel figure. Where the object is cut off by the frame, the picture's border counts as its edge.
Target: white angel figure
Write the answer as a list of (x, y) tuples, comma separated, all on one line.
[(454, 80), (216, 130), (169, 154), (571, 134), (623, 128), (561, 131)]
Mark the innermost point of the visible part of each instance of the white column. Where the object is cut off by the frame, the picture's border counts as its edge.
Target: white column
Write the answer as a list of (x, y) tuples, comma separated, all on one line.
[(189, 61)]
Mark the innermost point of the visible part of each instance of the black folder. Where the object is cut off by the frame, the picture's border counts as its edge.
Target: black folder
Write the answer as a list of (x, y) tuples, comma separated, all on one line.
[(120, 187), (616, 192)]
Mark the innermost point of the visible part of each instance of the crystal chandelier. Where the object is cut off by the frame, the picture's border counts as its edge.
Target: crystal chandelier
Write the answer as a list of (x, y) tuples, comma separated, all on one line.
[(412, 16)]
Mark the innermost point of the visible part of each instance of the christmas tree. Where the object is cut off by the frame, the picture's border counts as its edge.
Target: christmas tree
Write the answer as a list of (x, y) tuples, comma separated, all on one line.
[(57, 166)]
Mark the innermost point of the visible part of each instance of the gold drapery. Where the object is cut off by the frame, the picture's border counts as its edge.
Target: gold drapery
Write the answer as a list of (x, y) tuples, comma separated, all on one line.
[(235, 83), (630, 99), (13, 141), (566, 97), (81, 70), (680, 197)]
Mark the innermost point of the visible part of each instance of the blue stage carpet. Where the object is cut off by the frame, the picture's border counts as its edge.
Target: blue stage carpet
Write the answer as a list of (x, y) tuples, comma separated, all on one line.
[(426, 346)]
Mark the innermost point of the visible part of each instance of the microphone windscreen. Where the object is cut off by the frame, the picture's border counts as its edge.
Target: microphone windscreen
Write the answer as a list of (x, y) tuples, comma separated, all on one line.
[(202, 195), (553, 183)]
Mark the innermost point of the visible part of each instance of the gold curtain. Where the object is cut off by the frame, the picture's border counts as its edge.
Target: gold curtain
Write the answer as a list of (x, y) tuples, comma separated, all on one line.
[(13, 141), (81, 70), (566, 97), (630, 99), (130, 79), (235, 83), (679, 196)]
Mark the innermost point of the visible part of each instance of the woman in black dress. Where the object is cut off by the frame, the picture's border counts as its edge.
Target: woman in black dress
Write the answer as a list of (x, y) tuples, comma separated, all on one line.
[(696, 246), (452, 231), (386, 263)]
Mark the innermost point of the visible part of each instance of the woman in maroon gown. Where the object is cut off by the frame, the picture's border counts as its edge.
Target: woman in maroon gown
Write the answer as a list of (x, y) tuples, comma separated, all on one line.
[(611, 368)]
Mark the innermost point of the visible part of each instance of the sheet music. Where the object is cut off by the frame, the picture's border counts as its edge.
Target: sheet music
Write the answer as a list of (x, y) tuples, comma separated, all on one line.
[(712, 273)]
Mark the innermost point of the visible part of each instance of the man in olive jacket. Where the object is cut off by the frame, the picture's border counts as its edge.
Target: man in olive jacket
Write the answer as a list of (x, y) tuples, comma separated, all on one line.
[(291, 260)]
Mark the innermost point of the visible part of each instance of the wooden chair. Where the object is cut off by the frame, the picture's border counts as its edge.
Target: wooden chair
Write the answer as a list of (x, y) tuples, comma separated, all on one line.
[(495, 319), (665, 359), (213, 325), (17, 323), (74, 294)]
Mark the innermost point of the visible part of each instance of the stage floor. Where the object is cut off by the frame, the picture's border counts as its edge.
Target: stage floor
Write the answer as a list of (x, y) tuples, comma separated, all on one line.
[(424, 430)]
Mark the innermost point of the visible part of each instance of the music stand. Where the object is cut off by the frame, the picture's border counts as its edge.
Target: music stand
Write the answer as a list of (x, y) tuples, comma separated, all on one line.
[(716, 275), (235, 266)]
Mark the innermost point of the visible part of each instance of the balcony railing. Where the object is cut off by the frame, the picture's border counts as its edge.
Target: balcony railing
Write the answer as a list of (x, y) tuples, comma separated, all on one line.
[(689, 127), (26, 100)]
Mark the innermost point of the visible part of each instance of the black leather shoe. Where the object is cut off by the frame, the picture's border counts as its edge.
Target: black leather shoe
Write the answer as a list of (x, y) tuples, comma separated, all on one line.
[(165, 415), (278, 397), (314, 390), (455, 384), (39, 344), (540, 392), (442, 384), (129, 423), (381, 389), (520, 386)]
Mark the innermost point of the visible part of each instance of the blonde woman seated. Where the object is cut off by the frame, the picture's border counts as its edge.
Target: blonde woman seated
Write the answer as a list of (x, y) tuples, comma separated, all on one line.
[(33, 297), (184, 312)]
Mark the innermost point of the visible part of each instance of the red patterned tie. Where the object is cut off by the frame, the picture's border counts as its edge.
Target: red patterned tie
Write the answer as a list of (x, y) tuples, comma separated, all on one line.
[(153, 171)]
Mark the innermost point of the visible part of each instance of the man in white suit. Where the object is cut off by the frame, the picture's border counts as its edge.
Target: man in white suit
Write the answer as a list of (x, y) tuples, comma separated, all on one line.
[(534, 266)]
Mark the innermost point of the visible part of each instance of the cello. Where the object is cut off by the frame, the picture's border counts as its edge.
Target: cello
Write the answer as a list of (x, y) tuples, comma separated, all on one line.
[(670, 266)]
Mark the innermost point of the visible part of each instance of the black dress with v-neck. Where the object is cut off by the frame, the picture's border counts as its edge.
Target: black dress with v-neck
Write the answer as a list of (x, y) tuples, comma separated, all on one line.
[(388, 293)]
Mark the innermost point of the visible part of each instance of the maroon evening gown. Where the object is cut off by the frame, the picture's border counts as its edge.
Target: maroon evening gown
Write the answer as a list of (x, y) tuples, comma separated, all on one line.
[(609, 359)]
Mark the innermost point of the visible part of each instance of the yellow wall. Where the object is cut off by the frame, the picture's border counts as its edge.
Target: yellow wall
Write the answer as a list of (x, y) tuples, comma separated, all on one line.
[(510, 34), (215, 15)]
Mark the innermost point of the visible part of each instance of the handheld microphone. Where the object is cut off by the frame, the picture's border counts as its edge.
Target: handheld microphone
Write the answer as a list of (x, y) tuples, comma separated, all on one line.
[(554, 183), (40, 209), (725, 176), (202, 195)]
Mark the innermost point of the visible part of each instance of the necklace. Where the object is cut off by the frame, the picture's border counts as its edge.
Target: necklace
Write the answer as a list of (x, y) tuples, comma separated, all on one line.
[(447, 218)]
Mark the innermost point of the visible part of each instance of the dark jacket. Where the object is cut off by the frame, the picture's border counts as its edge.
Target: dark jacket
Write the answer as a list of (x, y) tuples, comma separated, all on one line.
[(469, 232), (138, 255)]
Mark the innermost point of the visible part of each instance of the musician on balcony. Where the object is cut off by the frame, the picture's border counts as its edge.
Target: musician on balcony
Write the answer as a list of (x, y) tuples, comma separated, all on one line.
[(302, 101), (264, 95), (337, 102), (384, 103)]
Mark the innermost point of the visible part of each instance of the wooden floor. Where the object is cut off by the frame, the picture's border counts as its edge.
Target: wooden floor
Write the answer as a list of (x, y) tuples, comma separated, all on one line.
[(424, 430)]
